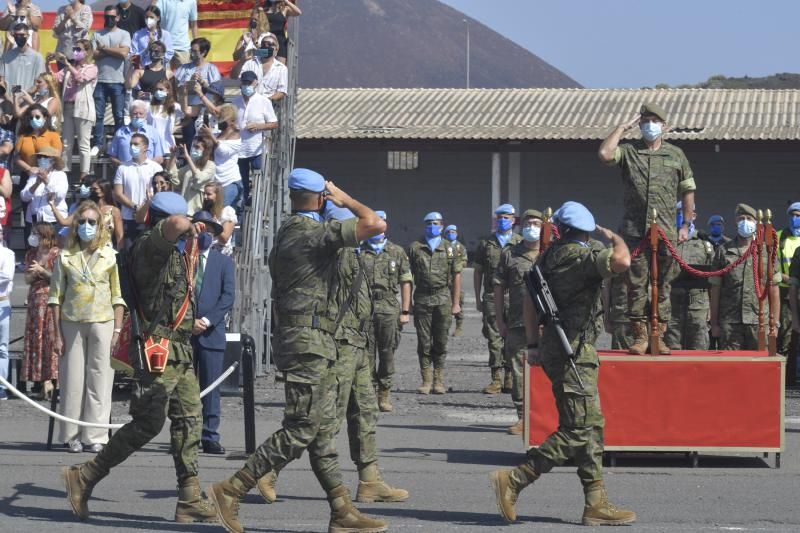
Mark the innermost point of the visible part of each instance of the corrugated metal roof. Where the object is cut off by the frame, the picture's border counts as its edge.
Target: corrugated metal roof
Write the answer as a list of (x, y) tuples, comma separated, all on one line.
[(542, 114)]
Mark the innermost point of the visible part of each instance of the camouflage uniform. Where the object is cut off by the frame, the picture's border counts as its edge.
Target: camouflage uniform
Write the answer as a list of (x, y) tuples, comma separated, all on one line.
[(651, 179), (302, 265), (175, 393), (575, 274), (461, 257), (434, 273), (618, 314), (386, 272), (738, 304), (688, 325), (515, 262), (487, 258)]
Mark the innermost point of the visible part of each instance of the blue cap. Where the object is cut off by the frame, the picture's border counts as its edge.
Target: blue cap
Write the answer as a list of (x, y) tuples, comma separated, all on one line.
[(505, 209), (794, 207), (305, 179), (575, 215), (433, 215), (381, 214), (169, 203), (248, 76), (451, 227), (713, 219), (332, 212)]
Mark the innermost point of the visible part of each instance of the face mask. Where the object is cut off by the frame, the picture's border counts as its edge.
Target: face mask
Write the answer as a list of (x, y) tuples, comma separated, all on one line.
[(33, 240), (451, 236), (37, 123), (746, 228), (44, 163), (78, 55), (222, 125), (196, 154), (86, 232), (208, 205), (194, 56), (433, 230), (650, 130), (41, 93), (795, 223), (270, 51), (84, 191), (248, 90), (151, 22), (2, 91), (156, 55), (504, 224), (110, 21), (715, 230), (137, 122), (160, 95), (21, 40), (94, 197), (679, 219), (531, 233), (204, 240), (377, 247), (135, 151), (377, 238), (253, 24)]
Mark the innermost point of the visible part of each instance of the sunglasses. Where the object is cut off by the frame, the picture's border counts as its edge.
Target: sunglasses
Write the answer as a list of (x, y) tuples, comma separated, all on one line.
[(90, 221)]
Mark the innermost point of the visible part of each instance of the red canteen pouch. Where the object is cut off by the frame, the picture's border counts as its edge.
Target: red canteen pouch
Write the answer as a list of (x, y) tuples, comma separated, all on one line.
[(156, 353)]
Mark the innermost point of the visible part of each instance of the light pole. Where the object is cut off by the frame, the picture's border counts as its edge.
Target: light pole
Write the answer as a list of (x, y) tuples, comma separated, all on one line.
[(466, 22)]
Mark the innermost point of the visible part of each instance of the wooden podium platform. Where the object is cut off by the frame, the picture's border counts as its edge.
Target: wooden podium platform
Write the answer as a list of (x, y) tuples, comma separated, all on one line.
[(689, 401)]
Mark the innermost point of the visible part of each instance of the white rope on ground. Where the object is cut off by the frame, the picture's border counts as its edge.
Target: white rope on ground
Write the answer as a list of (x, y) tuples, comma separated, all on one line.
[(62, 418)]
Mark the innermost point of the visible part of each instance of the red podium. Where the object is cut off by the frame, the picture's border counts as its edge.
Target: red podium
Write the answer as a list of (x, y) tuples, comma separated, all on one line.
[(689, 402)]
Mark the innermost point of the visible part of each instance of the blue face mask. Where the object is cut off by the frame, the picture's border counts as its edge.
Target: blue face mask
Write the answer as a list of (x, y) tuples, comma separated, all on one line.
[(377, 238), (204, 241), (433, 230), (531, 233), (84, 191), (504, 224), (715, 230), (37, 123), (160, 95), (137, 123), (679, 219), (795, 225), (135, 151), (248, 90), (650, 130), (86, 232), (377, 247), (451, 236)]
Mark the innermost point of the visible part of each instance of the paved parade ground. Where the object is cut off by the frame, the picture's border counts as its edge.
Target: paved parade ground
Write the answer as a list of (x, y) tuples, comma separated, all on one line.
[(440, 448)]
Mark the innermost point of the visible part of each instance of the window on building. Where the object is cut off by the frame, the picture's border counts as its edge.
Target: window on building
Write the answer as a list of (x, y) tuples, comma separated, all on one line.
[(403, 160)]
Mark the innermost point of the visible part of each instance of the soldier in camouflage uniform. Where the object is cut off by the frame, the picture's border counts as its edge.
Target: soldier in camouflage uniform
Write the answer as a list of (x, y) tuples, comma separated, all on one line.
[(734, 304), (487, 257), (302, 265), (437, 276), (451, 234), (716, 231), (688, 325), (158, 268), (654, 174), (574, 267), (509, 283), (388, 274)]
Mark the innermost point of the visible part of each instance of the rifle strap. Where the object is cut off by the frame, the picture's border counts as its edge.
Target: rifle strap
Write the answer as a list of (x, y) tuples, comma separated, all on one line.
[(353, 294)]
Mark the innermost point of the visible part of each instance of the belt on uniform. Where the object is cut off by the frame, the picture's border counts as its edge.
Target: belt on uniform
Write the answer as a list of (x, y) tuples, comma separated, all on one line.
[(306, 321), (432, 290), (179, 336), (381, 294)]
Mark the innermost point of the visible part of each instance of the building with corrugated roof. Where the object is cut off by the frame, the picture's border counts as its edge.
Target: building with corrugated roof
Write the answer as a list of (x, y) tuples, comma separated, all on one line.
[(463, 151)]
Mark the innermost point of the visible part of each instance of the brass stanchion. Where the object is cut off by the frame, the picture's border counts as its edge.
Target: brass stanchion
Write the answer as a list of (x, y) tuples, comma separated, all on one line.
[(769, 236), (654, 325), (547, 230), (762, 340)]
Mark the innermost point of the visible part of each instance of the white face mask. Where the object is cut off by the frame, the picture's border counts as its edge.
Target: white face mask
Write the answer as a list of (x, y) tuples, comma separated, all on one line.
[(151, 22), (33, 240), (531, 233), (746, 228)]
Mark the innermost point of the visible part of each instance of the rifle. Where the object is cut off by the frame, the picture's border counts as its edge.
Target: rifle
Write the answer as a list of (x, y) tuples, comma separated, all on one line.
[(547, 312)]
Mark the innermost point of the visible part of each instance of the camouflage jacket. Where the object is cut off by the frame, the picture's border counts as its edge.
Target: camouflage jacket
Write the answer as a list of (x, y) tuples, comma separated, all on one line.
[(515, 262), (386, 272), (358, 314), (434, 272), (487, 258), (461, 253)]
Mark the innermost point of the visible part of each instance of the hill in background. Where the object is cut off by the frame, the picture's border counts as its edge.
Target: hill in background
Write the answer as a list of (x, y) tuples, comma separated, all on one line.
[(784, 80)]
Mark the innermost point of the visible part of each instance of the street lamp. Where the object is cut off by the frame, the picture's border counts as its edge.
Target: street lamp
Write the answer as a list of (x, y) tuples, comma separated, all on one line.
[(466, 23)]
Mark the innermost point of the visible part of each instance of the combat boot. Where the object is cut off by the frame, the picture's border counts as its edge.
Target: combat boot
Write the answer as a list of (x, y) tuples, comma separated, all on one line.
[(345, 518), (507, 486), (372, 488), (266, 486), (663, 349), (516, 429), (639, 336), (383, 401), (508, 381), (79, 482), (427, 381), (459, 329), (192, 507), (495, 386), (438, 382), (225, 495), (599, 512)]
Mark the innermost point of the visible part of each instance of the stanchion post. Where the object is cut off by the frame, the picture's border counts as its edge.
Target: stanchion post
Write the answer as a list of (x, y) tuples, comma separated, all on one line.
[(547, 230), (762, 336), (654, 325), (51, 424), (248, 392), (769, 237)]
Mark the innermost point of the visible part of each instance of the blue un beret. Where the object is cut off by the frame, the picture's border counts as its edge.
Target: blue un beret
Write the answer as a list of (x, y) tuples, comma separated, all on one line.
[(714, 219), (505, 209), (433, 215), (305, 179), (170, 203), (794, 207), (575, 215), (381, 214), (451, 227), (332, 212)]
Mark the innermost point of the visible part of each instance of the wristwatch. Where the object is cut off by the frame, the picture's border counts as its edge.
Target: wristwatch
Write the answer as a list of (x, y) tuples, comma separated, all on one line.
[(405, 312)]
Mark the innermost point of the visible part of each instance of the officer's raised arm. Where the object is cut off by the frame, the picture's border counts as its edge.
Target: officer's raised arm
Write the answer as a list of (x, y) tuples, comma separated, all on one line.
[(369, 223), (610, 144), (620, 255)]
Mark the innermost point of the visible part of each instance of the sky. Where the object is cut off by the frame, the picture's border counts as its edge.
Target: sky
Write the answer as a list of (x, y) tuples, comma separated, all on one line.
[(639, 43)]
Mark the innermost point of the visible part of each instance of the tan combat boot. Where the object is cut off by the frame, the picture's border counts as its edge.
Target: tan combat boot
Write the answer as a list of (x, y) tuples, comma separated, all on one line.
[(266, 486), (508, 381), (516, 429), (192, 507), (599, 512), (639, 340), (383, 401), (663, 349), (507, 486), (225, 495), (372, 488), (427, 381), (79, 482), (459, 329), (495, 386), (438, 381), (345, 518)]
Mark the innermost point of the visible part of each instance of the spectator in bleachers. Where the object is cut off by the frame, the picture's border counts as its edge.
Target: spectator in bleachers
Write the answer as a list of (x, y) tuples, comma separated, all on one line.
[(225, 216), (45, 92), (120, 148), (161, 182), (131, 17), (212, 98), (248, 42), (21, 17), (8, 125), (227, 146), (49, 181), (79, 78), (131, 182), (72, 24), (41, 342), (7, 261), (34, 14), (197, 72), (273, 76), (100, 192), (277, 14), (35, 132), (178, 17), (87, 303), (6, 188), (142, 81), (111, 47), (255, 116), (165, 113), (142, 40), (21, 65), (196, 173)]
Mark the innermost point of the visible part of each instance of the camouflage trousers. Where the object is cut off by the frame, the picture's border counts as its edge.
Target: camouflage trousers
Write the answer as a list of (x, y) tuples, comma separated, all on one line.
[(516, 351), (384, 338), (687, 328), (786, 341), (621, 335), (738, 336), (433, 325), (637, 278), (580, 420), (491, 333), (174, 394)]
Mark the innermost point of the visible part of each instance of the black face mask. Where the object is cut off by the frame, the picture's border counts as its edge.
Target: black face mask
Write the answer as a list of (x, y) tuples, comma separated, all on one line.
[(270, 50), (21, 40), (253, 24), (222, 125), (155, 55), (208, 205), (94, 197), (2, 91), (111, 21)]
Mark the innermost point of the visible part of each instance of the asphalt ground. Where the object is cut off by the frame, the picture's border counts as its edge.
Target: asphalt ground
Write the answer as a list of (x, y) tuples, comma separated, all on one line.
[(440, 448)]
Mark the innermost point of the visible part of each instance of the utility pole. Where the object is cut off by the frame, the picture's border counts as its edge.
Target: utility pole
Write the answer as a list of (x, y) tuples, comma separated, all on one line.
[(466, 22)]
